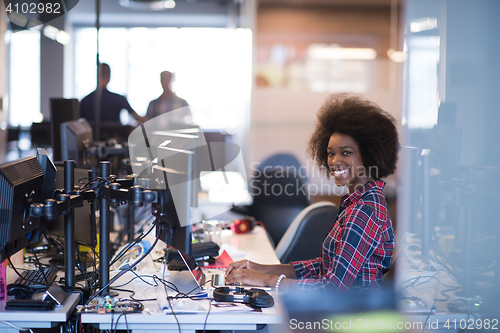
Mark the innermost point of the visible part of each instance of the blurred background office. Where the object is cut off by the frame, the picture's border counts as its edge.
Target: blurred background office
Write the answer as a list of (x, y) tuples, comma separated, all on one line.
[(256, 71)]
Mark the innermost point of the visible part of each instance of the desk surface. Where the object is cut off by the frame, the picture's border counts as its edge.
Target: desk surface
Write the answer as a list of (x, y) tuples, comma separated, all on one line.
[(39, 319), (255, 246)]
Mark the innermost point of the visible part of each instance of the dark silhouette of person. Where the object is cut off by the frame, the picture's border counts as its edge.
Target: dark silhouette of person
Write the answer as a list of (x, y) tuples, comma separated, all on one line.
[(169, 101), (111, 103)]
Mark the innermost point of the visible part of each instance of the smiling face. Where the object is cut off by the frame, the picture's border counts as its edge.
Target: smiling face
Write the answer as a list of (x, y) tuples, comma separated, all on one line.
[(345, 162)]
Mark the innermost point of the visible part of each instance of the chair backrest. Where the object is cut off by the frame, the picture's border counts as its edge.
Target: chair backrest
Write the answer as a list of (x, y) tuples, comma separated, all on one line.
[(278, 197), (285, 161), (304, 237)]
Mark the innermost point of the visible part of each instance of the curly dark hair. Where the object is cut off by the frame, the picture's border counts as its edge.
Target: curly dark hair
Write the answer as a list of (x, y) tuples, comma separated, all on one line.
[(373, 129)]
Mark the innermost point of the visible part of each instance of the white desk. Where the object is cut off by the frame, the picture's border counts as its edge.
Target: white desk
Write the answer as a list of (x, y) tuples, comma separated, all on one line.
[(256, 246), (37, 319)]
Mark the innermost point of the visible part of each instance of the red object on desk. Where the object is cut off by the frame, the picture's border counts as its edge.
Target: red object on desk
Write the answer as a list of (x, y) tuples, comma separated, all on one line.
[(222, 261)]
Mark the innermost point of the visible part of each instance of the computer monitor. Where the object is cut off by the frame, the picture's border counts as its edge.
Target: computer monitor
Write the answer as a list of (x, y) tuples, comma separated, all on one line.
[(173, 177), (191, 143), (21, 184), (181, 236), (115, 130), (49, 173), (76, 141), (85, 225), (49, 186), (61, 110)]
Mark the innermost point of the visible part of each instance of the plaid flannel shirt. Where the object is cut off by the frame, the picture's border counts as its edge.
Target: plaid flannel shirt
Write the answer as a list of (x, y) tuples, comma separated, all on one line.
[(357, 250)]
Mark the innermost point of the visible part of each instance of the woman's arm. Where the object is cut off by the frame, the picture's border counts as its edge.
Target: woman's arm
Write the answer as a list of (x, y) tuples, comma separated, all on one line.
[(252, 273), (286, 269)]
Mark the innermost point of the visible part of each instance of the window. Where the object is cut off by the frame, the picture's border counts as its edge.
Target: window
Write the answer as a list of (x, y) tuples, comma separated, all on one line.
[(24, 78), (212, 68)]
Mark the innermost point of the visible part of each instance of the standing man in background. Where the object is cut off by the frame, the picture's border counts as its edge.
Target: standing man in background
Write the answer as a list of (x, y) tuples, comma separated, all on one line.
[(111, 103), (169, 101)]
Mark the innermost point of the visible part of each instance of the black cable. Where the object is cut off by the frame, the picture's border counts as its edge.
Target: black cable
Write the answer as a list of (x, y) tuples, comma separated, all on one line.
[(124, 290), (125, 270), (79, 323), (169, 238), (126, 322), (415, 280), (197, 287), (206, 318), (95, 183), (96, 256), (40, 268), (112, 316), (94, 267), (52, 242), (141, 214), (166, 283), (143, 300), (447, 296), (146, 221), (130, 281), (433, 308), (443, 262), (116, 324), (23, 278), (171, 307), (428, 316), (84, 273), (146, 282), (134, 242)]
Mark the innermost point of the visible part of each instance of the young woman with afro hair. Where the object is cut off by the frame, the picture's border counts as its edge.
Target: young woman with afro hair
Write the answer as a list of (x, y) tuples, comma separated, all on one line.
[(356, 143)]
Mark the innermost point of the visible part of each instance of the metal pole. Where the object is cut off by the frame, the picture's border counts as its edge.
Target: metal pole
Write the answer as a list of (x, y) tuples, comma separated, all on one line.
[(69, 228), (426, 223), (98, 92), (104, 228), (130, 223)]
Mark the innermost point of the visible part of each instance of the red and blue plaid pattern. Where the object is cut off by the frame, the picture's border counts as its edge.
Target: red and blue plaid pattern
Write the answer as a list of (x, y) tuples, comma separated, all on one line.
[(357, 250)]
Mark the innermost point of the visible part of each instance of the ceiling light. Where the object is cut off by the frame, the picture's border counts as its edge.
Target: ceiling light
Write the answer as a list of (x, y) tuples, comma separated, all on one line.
[(63, 37), (148, 4), (50, 31), (53, 33), (18, 19), (319, 51), (426, 23), (396, 56)]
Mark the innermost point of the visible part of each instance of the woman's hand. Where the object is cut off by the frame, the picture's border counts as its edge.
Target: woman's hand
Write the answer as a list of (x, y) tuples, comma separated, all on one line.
[(248, 276), (244, 264)]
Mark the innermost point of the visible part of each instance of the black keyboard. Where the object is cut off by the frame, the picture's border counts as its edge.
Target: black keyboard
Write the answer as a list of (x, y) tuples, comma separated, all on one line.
[(37, 279)]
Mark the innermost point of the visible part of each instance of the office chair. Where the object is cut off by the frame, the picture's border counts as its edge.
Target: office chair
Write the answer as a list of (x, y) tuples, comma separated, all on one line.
[(303, 238), (283, 160), (278, 197)]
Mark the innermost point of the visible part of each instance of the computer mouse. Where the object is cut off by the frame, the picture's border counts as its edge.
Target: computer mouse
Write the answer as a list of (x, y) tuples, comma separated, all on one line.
[(20, 291)]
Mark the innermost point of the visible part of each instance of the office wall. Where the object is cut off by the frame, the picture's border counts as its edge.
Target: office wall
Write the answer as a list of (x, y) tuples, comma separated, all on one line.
[(3, 84), (283, 117), (51, 68)]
